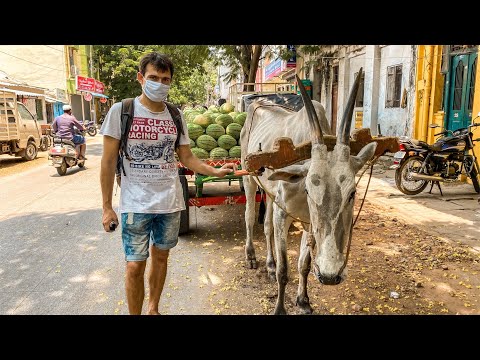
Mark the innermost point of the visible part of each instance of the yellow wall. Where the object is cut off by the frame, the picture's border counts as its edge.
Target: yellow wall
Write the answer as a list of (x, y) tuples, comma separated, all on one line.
[(429, 89), (476, 110)]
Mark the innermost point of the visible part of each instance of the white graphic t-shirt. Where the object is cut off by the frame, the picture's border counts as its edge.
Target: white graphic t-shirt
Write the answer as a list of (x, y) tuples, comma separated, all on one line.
[(151, 184)]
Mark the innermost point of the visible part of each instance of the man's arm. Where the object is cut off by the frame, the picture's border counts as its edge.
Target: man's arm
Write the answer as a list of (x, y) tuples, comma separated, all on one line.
[(107, 178), (78, 125), (54, 125), (193, 163)]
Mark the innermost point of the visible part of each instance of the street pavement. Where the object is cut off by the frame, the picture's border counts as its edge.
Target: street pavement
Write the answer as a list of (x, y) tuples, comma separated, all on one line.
[(455, 216)]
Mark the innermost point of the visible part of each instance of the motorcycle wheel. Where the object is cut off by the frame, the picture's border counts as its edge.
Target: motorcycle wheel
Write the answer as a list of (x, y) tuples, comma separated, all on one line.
[(92, 131), (474, 177), (408, 185), (62, 170)]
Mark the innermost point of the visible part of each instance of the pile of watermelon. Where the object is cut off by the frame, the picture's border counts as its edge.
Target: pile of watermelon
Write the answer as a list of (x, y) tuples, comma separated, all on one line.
[(215, 133)]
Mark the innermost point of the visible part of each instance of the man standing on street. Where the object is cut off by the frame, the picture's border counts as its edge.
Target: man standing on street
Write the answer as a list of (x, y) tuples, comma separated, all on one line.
[(151, 197)]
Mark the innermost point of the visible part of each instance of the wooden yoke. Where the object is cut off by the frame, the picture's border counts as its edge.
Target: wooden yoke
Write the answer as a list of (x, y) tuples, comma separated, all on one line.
[(284, 153)]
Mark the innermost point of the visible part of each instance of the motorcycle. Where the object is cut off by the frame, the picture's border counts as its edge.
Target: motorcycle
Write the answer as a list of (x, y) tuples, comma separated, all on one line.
[(63, 155), (91, 128), (418, 163)]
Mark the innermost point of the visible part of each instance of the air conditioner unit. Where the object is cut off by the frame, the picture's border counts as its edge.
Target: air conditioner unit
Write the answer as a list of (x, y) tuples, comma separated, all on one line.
[(73, 70)]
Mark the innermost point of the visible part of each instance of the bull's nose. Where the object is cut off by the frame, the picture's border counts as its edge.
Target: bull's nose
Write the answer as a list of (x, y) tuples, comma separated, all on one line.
[(335, 280)]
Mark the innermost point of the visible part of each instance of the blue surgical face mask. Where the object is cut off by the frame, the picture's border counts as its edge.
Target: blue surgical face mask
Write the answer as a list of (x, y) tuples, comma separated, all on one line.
[(155, 91)]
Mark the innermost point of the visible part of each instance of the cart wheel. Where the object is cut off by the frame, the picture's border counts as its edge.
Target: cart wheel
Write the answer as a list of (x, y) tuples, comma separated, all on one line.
[(185, 215)]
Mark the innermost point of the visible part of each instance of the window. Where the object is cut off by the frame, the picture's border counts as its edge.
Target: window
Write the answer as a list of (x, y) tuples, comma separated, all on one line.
[(359, 99), (335, 75), (457, 91), (394, 86), (472, 85), (24, 113)]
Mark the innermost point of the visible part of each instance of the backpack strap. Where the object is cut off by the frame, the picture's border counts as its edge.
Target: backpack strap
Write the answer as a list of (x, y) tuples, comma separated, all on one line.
[(126, 124), (177, 119)]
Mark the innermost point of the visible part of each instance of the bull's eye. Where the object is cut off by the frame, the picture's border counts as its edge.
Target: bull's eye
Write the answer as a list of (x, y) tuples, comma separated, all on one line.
[(352, 196)]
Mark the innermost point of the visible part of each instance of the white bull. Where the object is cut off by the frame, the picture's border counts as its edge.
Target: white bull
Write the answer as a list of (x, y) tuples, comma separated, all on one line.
[(320, 192)]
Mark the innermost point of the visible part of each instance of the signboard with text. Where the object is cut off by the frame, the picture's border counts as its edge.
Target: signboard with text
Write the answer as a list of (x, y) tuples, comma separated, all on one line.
[(273, 69), (84, 83), (99, 87), (292, 61)]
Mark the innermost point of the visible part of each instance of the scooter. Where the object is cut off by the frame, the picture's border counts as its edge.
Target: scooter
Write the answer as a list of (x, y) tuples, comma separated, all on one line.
[(63, 155), (91, 128)]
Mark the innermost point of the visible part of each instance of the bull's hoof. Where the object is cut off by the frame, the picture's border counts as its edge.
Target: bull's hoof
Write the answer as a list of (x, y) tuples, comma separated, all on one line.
[(304, 305), (272, 276), (280, 310), (252, 264)]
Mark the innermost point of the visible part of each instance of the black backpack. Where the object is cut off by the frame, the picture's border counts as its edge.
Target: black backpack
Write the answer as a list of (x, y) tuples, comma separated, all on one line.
[(127, 119)]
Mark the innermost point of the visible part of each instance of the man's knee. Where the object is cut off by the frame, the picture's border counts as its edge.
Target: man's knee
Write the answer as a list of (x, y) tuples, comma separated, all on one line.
[(136, 268), (159, 254)]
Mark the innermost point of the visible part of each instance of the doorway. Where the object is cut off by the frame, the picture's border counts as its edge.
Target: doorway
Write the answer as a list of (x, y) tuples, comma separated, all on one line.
[(459, 103)]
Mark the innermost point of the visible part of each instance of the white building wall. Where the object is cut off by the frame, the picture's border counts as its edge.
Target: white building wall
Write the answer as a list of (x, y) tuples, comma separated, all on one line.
[(395, 121), (36, 65)]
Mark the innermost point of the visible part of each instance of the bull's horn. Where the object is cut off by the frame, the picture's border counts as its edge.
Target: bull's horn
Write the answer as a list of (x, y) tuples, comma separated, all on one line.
[(317, 136), (346, 124)]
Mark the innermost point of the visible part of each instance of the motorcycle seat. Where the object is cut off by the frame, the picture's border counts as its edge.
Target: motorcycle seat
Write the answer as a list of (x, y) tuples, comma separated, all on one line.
[(58, 140), (424, 145)]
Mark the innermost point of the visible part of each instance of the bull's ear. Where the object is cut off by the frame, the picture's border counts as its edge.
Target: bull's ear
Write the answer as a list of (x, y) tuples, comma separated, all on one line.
[(363, 156), (292, 173)]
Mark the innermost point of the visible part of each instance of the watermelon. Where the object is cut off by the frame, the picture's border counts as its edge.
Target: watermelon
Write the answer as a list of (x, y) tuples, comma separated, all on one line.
[(226, 108), (215, 130), (200, 109), (218, 153), (233, 130), (240, 118), (235, 152), (213, 108), (226, 142), (224, 120), (206, 142), (194, 130), (192, 143), (233, 114), (200, 153), (202, 120)]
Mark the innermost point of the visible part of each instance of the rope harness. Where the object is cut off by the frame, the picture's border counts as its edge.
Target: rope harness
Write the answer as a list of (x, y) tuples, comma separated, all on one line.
[(307, 225)]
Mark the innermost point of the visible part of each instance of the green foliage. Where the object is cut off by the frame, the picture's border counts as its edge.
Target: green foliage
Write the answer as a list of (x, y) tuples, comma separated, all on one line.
[(118, 67)]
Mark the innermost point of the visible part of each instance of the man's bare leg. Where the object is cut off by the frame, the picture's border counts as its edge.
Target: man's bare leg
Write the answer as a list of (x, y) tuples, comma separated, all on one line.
[(156, 280), (134, 286)]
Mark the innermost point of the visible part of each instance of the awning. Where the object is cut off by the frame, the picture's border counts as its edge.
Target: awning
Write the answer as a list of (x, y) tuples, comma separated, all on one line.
[(53, 100), (96, 94), (26, 93)]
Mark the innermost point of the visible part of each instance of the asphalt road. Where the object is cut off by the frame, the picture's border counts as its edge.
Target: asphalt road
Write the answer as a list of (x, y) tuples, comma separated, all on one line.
[(55, 257)]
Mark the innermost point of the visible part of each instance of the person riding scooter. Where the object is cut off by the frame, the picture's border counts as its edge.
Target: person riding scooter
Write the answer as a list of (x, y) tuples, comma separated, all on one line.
[(63, 126)]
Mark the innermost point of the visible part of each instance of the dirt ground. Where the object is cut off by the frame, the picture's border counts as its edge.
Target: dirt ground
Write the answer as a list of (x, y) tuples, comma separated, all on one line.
[(393, 268)]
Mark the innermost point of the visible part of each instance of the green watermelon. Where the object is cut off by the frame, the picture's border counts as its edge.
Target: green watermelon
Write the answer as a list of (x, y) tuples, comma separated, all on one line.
[(235, 152), (215, 130), (192, 143), (226, 142), (200, 109), (233, 114), (213, 108), (200, 153), (206, 142), (240, 118), (194, 130), (234, 129), (218, 153), (224, 120)]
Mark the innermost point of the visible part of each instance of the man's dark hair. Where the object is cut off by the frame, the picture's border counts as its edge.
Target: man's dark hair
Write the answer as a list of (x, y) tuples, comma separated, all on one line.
[(158, 61), (221, 101)]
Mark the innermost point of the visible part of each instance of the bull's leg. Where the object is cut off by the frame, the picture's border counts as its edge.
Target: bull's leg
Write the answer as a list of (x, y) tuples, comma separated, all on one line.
[(250, 188), (281, 226), (304, 261), (268, 228)]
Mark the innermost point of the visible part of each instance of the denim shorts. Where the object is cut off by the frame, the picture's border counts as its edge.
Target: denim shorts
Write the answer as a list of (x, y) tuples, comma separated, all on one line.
[(141, 230), (78, 139)]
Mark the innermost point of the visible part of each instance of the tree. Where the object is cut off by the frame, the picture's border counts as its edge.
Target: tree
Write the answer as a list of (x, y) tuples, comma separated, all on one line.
[(240, 59), (118, 67)]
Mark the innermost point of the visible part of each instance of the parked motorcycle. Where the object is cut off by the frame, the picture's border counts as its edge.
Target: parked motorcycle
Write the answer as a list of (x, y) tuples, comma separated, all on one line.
[(91, 128), (63, 155), (418, 163)]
